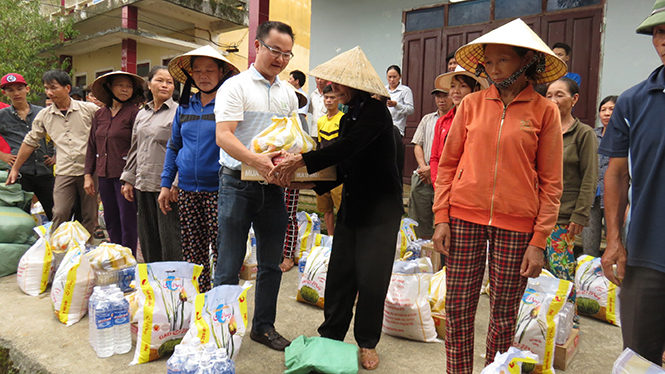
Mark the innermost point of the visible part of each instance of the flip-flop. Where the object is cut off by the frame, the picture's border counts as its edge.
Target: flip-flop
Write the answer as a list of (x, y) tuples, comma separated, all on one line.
[(99, 233), (369, 359)]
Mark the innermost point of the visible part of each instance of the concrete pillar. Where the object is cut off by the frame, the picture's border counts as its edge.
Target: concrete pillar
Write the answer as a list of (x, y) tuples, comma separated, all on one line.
[(129, 21), (258, 13)]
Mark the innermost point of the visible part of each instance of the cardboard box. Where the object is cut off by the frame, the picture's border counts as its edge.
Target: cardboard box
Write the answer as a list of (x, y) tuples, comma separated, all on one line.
[(248, 271), (327, 174), (440, 325), (427, 250), (564, 354)]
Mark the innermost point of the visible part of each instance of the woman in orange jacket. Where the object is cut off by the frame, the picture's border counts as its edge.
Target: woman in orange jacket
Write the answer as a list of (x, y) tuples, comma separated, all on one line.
[(498, 186)]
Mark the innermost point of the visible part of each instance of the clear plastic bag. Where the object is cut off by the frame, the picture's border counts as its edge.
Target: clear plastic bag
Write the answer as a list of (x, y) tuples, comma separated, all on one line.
[(630, 362), (286, 134)]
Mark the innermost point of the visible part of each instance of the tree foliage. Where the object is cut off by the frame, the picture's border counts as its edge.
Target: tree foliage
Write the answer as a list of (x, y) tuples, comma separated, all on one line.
[(28, 40)]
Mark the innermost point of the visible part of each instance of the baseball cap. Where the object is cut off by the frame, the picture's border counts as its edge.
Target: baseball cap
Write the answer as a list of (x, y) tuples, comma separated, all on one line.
[(12, 78)]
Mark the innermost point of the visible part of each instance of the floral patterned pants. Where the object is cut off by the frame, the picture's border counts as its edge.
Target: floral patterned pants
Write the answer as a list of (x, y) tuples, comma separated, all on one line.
[(198, 225), (559, 256)]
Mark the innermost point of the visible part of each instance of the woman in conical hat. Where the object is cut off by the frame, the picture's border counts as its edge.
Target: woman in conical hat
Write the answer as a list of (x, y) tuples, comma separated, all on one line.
[(192, 154), (498, 186), (108, 146), (371, 208)]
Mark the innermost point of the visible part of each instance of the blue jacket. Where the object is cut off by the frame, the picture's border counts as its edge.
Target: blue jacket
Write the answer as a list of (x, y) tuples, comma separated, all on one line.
[(192, 151)]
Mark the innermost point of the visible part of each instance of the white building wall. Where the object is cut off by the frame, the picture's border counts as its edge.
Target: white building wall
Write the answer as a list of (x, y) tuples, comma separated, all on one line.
[(628, 57)]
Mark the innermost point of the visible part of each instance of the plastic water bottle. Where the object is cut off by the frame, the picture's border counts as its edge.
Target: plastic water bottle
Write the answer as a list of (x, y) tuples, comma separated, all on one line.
[(121, 327), (91, 315), (205, 366), (192, 365), (104, 334), (222, 364), (177, 361)]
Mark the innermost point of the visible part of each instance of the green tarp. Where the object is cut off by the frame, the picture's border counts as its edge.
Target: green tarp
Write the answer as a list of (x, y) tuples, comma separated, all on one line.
[(320, 355), (10, 254)]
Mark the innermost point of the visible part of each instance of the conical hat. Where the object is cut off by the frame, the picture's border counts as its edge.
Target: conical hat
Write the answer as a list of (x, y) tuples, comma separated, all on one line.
[(518, 34), (353, 69), (185, 62), (443, 81), (102, 95), (302, 99)]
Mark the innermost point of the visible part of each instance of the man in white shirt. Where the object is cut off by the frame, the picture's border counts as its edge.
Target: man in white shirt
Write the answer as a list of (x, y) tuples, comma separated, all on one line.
[(316, 106), (244, 107)]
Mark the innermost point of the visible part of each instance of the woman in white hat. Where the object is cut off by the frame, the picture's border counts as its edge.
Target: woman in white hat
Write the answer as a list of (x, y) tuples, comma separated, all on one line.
[(371, 209), (108, 146), (192, 154), (458, 83), (498, 184), (159, 234)]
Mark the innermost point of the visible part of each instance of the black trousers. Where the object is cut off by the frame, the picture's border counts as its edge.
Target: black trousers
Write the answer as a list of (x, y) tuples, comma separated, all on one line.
[(360, 264), (399, 152), (42, 187), (642, 319)]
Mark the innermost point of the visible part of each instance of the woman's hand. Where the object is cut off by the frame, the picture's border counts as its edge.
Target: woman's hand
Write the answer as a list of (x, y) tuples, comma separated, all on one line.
[(127, 190), (165, 199), (174, 194), (89, 185), (532, 262), (391, 103), (283, 172), (8, 158), (574, 229), (441, 238)]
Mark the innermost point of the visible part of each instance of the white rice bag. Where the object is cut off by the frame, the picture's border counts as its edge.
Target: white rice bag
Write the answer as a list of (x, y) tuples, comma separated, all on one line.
[(35, 269), (72, 286)]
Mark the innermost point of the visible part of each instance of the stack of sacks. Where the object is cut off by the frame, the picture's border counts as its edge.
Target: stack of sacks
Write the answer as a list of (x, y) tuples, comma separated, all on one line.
[(16, 225)]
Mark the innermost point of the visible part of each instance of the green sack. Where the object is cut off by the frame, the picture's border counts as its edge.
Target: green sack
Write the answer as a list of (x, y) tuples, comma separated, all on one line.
[(16, 226), (13, 195), (320, 355), (10, 255)]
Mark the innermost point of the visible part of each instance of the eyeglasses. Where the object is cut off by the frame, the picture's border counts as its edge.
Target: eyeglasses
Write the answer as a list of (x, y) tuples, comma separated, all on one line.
[(276, 52)]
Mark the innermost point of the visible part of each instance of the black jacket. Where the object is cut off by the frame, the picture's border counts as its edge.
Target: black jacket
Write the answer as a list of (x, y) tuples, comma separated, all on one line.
[(365, 157)]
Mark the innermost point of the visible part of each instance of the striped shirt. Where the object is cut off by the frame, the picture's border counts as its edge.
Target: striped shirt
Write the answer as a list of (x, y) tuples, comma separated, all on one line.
[(424, 135)]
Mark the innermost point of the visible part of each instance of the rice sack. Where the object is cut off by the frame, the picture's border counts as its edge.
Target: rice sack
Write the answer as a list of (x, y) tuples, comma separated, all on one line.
[(165, 295), (538, 318), (16, 226), (406, 311), (220, 316), (36, 267), (596, 295), (312, 285), (72, 286)]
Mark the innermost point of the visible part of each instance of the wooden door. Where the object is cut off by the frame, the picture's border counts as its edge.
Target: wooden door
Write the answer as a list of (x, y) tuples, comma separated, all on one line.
[(581, 30)]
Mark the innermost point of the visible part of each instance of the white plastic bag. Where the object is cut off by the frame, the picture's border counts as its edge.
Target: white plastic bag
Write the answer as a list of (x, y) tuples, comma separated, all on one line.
[(220, 316), (596, 295), (312, 285), (285, 133), (630, 362), (538, 318), (165, 295), (511, 362), (72, 286), (406, 311), (35, 269), (437, 292), (405, 236), (308, 227)]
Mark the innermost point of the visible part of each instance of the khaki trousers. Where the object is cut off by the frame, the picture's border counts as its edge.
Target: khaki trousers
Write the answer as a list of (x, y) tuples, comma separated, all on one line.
[(65, 192)]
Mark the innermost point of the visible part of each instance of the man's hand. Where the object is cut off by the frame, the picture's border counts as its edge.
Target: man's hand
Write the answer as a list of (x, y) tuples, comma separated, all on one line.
[(174, 194), (532, 262), (49, 161), (574, 229), (424, 173), (283, 172), (127, 190), (8, 158), (263, 164), (441, 238), (89, 185), (164, 200), (12, 177), (391, 103), (615, 254)]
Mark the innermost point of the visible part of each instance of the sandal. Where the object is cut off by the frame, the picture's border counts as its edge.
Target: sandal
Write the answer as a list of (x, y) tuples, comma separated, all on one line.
[(368, 358), (99, 233)]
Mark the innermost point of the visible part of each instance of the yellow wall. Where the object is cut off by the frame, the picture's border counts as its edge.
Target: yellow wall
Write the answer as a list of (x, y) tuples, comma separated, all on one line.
[(110, 58), (298, 14)]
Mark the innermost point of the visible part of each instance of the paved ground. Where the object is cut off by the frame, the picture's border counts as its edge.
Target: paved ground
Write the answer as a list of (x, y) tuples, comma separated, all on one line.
[(39, 343)]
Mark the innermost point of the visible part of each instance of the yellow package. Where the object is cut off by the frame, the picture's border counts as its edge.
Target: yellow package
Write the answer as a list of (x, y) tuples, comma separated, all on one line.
[(437, 292), (286, 134), (68, 234), (108, 256)]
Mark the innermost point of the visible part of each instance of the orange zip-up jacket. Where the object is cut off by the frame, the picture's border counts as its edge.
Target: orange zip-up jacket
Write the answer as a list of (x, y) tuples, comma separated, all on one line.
[(502, 165)]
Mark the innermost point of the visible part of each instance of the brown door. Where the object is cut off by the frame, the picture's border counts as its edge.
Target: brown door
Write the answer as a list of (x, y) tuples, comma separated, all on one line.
[(581, 29)]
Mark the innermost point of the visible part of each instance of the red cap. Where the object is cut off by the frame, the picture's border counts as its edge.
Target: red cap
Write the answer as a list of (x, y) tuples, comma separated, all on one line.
[(12, 78)]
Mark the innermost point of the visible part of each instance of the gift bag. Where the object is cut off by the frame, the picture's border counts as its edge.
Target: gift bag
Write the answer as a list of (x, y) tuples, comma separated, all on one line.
[(285, 133), (596, 295), (35, 268), (312, 285), (72, 286)]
